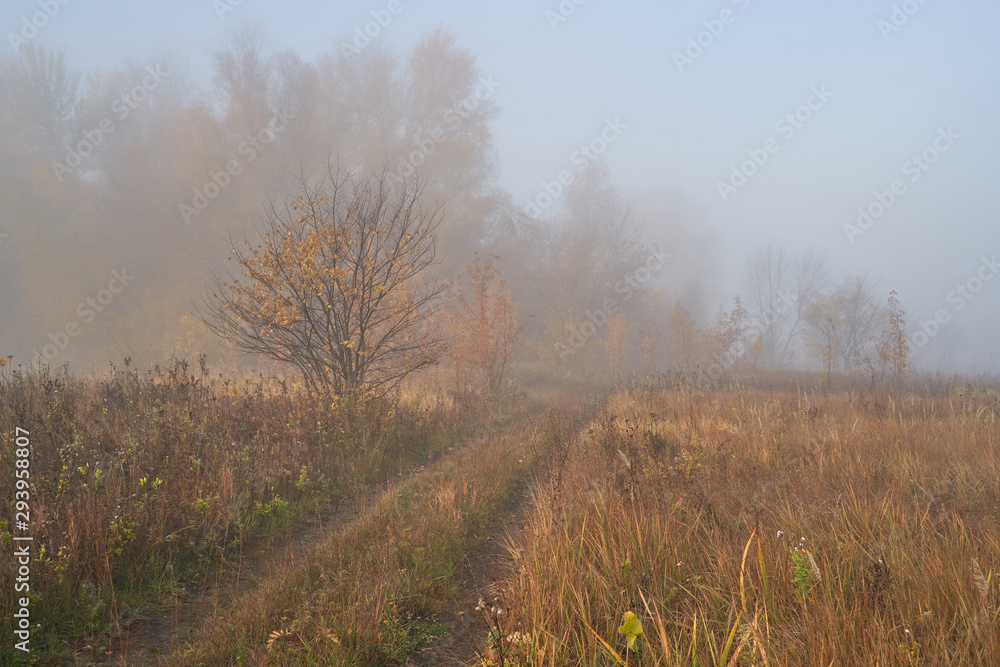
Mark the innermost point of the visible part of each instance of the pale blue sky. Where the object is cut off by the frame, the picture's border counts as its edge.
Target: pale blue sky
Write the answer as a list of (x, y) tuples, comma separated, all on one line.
[(686, 130)]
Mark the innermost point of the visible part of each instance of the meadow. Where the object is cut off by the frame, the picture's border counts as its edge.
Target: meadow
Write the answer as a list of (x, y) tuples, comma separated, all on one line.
[(760, 527), (144, 484), (765, 521)]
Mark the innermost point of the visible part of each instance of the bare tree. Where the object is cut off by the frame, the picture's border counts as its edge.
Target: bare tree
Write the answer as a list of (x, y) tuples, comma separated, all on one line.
[(777, 293), (40, 99), (339, 286), (809, 275), (842, 324), (245, 78), (863, 316), (765, 279)]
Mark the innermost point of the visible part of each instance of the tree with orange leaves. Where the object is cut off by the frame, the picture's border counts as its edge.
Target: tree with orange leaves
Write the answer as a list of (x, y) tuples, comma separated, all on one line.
[(339, 286), (890, 361), (484, 329)]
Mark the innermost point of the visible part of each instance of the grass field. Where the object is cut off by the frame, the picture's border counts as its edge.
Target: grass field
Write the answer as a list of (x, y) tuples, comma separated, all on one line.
[(760, 528), (144, 485), (642, 526)]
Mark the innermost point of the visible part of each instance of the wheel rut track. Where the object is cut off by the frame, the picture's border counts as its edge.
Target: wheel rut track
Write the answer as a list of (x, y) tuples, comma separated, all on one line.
[(482, 567), (485, 565), (152, 640)]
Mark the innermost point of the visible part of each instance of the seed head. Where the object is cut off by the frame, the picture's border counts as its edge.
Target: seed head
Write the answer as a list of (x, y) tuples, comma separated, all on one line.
[(981, 584)]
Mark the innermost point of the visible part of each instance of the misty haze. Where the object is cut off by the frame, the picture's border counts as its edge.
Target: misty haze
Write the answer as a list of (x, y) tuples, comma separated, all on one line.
[(555, 333)]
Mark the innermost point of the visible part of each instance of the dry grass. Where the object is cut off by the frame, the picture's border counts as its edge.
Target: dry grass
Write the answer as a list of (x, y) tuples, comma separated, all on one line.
[(143, 483), (367, 595), (741, 527), (756, 528)]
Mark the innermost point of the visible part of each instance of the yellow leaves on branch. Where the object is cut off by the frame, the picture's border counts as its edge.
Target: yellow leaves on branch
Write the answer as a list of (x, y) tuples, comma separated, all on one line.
[(340, 273)]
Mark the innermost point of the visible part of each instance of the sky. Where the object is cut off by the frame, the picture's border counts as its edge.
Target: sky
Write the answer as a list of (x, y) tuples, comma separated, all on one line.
[(696, 90)]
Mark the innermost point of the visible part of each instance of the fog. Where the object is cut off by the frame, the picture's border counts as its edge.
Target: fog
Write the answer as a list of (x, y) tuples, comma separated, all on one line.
[(638, 154)]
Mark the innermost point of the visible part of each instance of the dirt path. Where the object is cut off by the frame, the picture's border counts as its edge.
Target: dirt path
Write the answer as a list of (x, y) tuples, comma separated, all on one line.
[(484, 566), (149, 641)]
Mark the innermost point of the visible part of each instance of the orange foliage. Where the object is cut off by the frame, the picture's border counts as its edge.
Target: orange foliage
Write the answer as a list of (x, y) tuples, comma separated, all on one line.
[(337, 287), (484, 329)]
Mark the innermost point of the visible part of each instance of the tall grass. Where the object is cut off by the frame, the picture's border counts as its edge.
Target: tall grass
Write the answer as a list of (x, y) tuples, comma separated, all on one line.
[(140, 482), (760, 528), (367, 595)]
